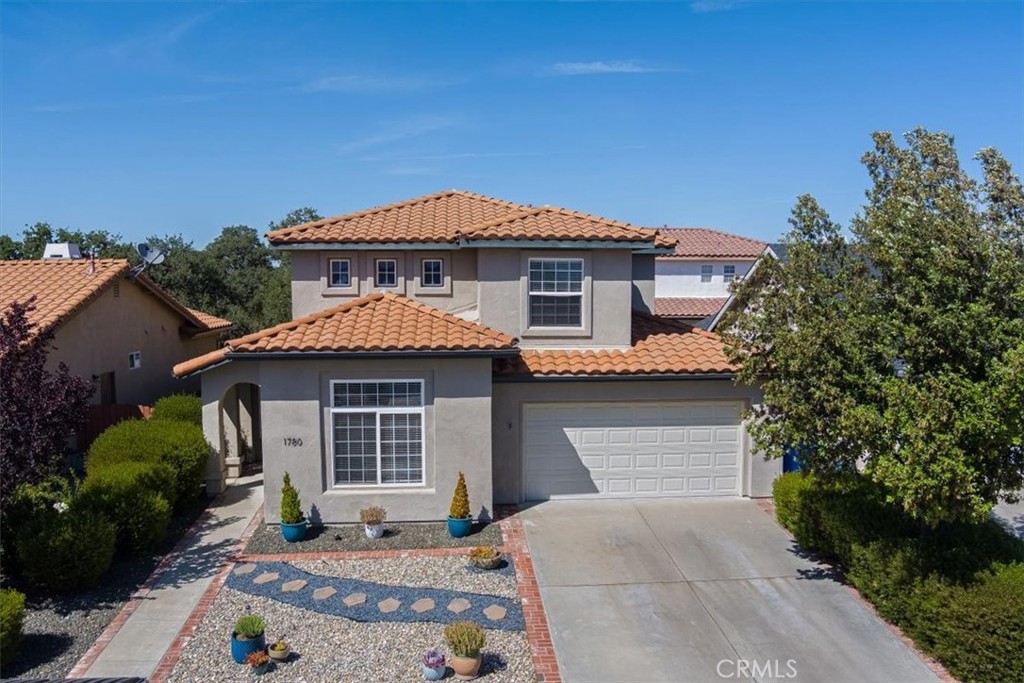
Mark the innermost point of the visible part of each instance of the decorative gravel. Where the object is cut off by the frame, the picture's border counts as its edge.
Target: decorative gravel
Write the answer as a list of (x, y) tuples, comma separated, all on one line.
[(401, 597), (267, 539), (449, 573), (327, 648)]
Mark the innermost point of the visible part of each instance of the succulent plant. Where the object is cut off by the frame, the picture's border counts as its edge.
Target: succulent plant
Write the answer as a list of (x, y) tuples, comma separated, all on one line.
[(250, 626)]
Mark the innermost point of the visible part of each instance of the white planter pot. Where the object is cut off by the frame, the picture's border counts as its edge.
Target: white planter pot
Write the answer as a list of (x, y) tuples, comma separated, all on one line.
[(374, 530)]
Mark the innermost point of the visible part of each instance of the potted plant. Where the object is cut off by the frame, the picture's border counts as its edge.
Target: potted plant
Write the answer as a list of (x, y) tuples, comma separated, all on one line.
[(373, 520), (293, 524), (465, 640), (247, 637), (258, 662), (280, 650), (434, 667), (460, 523), (485, 557)]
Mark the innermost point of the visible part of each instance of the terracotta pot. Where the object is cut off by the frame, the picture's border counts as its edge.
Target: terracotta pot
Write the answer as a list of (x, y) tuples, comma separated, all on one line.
[(488, 563), (466, 668)]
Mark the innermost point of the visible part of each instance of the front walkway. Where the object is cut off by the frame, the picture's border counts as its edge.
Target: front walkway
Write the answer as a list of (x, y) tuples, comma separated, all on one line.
[(139, 636)]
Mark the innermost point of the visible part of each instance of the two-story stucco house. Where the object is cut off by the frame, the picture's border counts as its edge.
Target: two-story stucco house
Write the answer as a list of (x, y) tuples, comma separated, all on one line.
[(456, 332), (692, 281)]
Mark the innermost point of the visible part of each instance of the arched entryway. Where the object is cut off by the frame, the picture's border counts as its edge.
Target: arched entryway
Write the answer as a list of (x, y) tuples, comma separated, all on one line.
[(241, 441)]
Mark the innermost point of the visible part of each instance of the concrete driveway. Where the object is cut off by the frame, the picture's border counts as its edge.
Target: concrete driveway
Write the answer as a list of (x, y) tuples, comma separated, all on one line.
[(688, 590)]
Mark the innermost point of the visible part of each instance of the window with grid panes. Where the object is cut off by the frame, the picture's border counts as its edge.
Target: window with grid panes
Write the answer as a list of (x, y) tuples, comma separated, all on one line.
[(555, 292)]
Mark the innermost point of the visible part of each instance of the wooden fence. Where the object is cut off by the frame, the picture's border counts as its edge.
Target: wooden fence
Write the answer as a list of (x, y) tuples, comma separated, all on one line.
[(102, 416)]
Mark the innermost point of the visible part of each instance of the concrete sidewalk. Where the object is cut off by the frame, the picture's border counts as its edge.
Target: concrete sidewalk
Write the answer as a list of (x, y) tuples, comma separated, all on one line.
[(143, 639)]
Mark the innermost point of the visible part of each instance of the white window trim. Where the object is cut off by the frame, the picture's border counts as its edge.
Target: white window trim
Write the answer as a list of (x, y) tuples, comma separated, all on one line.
[(376, 273), (583, 287), (710, 275), (330, 273), (423, 273), (726, 277), (134, 364), (377, 412)]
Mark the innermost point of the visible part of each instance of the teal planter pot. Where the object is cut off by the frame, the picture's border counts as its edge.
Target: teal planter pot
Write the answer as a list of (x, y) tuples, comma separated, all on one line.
[(460, 527), (434, 673), (240, 649), (293, 533)]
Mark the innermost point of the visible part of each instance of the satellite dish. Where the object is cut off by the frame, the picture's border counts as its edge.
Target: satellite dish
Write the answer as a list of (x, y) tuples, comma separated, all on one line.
[(155, 257), (150, 257), (143, 250)]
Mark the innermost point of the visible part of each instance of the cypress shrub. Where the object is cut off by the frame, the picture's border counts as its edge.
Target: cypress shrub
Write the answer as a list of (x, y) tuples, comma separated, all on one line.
[(460, 500), (181, 407), (291, 507)]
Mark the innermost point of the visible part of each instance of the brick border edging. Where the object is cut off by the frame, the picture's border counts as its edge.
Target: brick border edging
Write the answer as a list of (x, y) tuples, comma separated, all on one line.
[(136, 598), (767, 506)]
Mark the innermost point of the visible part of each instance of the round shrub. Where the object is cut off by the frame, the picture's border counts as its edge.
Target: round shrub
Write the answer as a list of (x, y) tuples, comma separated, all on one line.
[(178, 444), (181, 407), (65, 551), (30, 500), (12, 617), (133, 496)]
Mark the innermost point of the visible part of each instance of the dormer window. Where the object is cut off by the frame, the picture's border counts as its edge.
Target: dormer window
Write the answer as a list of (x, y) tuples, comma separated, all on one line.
[(387, 273), (433, 272), (341, 272), (706, 271), (555, 292)]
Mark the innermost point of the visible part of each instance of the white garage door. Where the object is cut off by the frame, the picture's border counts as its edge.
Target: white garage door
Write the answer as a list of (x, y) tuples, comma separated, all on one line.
[(584, 450)]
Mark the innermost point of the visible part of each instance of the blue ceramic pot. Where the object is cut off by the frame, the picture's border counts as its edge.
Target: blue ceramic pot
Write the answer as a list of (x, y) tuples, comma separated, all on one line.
[(434, 673), (293, 533), (240, 649), (460, 527)]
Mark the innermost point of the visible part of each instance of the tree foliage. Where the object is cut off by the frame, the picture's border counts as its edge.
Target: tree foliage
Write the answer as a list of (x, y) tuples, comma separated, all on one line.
[(39, 408), (901, 342)]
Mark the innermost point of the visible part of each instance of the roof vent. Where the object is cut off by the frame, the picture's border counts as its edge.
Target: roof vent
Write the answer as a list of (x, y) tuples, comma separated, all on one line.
[(62, 250)]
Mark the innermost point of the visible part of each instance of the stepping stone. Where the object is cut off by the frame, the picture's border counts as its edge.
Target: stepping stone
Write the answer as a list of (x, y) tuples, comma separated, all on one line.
[(495, 612), (323, 593), (388, 605), (459, 605), (245, 568), (266, 577), (422, 605), (293, 586), (354, 599)]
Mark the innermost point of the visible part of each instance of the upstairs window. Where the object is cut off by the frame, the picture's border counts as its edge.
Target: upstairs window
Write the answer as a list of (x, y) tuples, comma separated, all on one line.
[(387, 273), (728, 273), (555, 292), (433, 273), (341, 272), (135, 360), (705, 273)]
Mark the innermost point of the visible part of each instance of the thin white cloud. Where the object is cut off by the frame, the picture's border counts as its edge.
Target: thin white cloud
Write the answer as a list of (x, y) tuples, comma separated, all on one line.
[(706, 6), (605, 67), (395, 131), (160, 38), (354, 83)]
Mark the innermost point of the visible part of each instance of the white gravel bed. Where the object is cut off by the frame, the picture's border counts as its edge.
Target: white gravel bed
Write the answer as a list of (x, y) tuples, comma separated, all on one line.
[(329, 649), (448, 573)]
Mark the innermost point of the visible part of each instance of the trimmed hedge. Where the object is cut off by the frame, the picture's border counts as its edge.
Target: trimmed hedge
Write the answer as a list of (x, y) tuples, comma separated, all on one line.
[(12, 618), (134, 496), (181, 407), (66, 551), (178, 444), (957, 590)]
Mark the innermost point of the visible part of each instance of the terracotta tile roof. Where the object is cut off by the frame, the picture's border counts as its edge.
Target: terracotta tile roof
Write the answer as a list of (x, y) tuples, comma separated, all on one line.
[(703, 242), (447, 217), (62, 287), (211, 322), (377, 322), (660, 347), (688, 306)]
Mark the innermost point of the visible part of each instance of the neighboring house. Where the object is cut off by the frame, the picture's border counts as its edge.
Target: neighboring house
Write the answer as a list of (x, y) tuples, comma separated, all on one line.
[(122, 332), (692, 282), (456, 332)]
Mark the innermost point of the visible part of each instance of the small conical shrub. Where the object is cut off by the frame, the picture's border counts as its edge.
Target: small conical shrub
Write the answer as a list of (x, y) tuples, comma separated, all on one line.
[(460, 500), (291, 508)]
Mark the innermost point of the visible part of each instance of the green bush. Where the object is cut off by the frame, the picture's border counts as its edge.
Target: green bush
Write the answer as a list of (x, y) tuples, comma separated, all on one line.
[(291, 507), (795, 508), (178, 444), (181, 407), (65, 551), (30, 500), (12, 617), (132, 495)]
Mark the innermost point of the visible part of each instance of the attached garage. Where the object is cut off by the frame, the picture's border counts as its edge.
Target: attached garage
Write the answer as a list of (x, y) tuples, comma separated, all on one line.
[(629, 450)]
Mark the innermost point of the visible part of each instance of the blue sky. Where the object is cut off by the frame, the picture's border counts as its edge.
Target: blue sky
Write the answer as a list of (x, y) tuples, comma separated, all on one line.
[(162, 118)]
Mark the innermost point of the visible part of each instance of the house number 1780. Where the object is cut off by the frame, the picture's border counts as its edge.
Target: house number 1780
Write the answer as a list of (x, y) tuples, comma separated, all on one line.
[(292, 441)]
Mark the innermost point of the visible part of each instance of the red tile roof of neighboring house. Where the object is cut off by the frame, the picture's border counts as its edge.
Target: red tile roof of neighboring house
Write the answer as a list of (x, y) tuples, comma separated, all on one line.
[(688, 307), (454, 215), (659, 347), (706, 243), (374, 323), (62, 287)]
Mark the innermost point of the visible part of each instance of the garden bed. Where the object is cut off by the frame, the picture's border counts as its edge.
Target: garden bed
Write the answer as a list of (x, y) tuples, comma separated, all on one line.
[(267, 540)]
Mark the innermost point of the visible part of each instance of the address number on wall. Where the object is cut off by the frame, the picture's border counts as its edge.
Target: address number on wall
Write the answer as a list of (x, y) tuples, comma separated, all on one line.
[(292, 441)]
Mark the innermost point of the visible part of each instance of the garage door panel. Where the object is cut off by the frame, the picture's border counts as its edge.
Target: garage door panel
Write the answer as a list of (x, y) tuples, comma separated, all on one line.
[(619, 449)]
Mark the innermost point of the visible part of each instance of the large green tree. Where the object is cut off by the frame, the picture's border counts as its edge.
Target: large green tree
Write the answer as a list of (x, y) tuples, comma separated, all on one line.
[(898, 343)]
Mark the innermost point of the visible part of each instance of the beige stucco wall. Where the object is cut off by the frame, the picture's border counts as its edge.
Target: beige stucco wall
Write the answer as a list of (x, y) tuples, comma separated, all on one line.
[(643, 282), (294, 404), (100, 337), (509, 398)]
